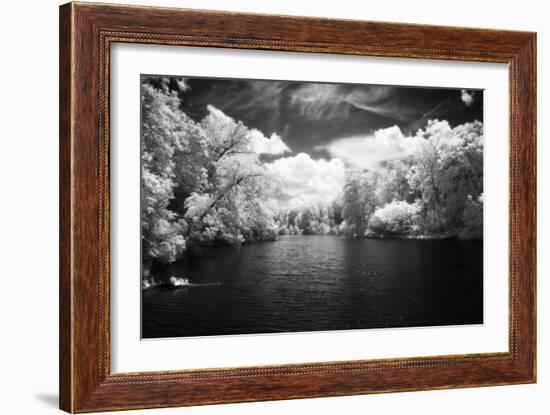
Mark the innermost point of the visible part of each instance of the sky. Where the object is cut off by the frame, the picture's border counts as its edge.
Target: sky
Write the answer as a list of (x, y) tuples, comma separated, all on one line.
[(310, 132)]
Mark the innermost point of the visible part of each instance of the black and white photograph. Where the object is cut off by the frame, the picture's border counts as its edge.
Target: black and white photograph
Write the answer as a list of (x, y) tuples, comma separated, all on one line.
[(275, 206)]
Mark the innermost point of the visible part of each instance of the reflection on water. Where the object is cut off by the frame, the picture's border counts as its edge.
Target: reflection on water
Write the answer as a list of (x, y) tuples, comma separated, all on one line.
[(310, 283)]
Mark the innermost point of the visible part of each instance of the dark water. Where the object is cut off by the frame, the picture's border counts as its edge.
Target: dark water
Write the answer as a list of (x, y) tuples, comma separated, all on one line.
[(307, 283)]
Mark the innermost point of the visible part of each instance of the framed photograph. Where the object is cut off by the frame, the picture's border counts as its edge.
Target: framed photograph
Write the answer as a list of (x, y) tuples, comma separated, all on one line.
[(258, 207)]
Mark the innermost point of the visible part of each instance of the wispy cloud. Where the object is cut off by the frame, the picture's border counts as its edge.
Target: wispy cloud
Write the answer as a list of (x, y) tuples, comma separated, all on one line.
[(254, 98), (434, 109), (329, 101)]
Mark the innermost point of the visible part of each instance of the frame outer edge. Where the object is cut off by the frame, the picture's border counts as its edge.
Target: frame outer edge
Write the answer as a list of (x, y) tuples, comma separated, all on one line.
[(523, 112), (528, 215), (83, 165), (534, 230), (66, 120)]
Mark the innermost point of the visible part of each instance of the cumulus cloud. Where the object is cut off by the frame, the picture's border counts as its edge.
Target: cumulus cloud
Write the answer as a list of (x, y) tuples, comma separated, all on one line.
[(273, 145), (305, 181), (467, 97), (259, 143), (367, 152), (220, 115)]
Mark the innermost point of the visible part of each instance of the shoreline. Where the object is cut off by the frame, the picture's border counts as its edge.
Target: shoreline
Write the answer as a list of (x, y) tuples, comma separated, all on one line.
[(195, 249)]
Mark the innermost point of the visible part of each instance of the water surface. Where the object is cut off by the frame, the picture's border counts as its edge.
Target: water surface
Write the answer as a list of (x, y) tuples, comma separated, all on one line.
[(310, 283)]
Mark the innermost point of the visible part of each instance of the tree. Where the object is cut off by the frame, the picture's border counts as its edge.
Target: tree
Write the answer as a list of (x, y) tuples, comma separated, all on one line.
[(392, 183), (423, 175), (161, 134), (473, 218), (359, 202), (231, 208), (439, 168), (461, 172), (446, 167)]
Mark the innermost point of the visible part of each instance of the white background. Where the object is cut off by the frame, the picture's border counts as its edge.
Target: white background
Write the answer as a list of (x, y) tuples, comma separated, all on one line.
[(29, 171), (129, 354)]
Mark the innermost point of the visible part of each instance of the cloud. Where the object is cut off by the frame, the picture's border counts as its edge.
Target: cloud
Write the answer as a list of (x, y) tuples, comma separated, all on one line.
[(467, 97), (434, 109), (218, 114), (328, 101), (367, 152), (273, 145), (259, 143), (183, 84), (305, 181), (253, 98)]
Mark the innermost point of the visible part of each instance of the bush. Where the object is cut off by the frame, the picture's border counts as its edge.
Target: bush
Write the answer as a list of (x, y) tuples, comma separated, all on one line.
[(395, 218)]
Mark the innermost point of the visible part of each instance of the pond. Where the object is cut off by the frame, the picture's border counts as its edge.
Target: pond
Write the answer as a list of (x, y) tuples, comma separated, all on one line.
[(318, 283)]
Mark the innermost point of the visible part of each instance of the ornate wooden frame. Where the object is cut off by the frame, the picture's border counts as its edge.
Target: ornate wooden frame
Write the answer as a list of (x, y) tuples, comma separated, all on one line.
[(86, 33)]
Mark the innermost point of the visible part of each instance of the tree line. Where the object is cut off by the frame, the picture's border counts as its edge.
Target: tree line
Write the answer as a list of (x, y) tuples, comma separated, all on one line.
[(434, 190), (204, 184)]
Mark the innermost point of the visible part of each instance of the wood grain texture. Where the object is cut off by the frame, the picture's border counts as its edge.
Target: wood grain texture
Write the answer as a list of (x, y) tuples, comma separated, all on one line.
[(86, 33), (65, 246)]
